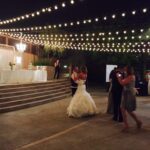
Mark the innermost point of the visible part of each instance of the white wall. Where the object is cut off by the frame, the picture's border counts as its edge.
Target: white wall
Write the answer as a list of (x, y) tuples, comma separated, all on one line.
[(7, 54), (109, 68)]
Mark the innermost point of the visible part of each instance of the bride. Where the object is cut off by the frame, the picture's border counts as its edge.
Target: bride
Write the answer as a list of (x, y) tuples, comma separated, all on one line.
[(82, 103)]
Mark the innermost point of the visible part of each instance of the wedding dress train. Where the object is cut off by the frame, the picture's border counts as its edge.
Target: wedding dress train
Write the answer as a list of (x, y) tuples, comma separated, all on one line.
[(82, 103)]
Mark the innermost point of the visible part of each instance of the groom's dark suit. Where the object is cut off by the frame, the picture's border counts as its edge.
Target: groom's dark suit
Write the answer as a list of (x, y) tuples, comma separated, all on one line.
[(116, 95), (73, 86)]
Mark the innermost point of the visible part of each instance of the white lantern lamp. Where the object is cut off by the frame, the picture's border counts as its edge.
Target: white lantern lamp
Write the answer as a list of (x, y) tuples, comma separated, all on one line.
[(21, 47)]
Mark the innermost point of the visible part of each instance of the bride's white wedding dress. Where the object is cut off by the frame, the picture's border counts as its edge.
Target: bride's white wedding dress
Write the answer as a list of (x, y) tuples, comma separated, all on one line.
[(82, 103)]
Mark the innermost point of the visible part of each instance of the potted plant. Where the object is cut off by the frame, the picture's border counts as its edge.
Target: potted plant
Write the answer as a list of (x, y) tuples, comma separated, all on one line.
[(42, 63)]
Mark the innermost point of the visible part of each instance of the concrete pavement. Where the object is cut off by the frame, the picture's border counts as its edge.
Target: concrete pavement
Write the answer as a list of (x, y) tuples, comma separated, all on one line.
[(47, 127)]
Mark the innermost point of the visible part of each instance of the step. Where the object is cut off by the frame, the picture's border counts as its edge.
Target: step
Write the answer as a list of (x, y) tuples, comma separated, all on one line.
[(34, 83), (20, 96), (23, 86), (31, 104), (16, 97), (34, 90), (31, 99)]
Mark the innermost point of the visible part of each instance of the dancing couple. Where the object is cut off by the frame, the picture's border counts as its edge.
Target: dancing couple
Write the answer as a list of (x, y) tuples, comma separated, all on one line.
[(81, 103)]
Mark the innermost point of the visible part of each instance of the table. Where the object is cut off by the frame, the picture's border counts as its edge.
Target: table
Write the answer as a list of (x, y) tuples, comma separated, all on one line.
[(22, 76)]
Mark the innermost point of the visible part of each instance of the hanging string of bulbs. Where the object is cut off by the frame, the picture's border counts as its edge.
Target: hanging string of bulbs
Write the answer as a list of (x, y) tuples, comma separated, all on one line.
[(38, 12), (78, 23), (87, 34), (100, 36), (105, 47), (84, 41)]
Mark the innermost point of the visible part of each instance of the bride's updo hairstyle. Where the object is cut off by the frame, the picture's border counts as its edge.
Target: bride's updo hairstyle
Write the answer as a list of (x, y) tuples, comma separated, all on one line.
[(83, 73), (75, 69), (83, 69)]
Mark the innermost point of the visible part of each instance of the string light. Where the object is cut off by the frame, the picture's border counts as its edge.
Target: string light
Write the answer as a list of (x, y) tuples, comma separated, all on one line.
[(56, 7), (63, 5), (104, 45), (108, 48), (144, 10), (76, 39), (84, 21), (72, 2), (105, 18), (133, 12), (123, 14), (101, 36), (37, 13), (113, 16)]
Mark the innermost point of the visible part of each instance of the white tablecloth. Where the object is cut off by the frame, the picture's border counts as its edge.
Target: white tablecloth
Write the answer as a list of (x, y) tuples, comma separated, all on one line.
[(40, 76), (22, 76)]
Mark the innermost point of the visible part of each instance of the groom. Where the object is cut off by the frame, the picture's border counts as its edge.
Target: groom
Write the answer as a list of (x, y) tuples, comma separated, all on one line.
[(74, 77), (116, 95)]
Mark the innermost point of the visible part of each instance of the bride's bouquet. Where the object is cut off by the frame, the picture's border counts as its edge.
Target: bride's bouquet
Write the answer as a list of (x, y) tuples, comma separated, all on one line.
[(82, 76)]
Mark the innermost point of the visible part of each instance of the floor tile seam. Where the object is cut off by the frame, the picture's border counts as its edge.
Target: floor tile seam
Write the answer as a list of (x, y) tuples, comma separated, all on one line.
[(56, 135)]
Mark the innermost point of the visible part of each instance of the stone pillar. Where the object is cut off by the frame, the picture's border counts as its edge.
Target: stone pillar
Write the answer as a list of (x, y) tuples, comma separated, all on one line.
[(30, 48), (6, 40)]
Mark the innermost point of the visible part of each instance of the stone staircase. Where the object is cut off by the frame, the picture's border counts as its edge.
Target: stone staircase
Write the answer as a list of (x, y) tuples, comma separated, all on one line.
[(14, 97)]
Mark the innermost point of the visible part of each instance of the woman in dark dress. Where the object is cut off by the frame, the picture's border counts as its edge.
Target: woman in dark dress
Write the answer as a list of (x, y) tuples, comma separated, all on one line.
[(128, 102)]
